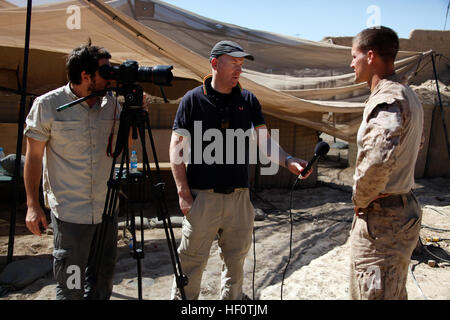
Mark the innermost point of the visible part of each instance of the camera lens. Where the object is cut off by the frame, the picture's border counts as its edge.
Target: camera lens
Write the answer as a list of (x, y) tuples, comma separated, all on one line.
[(145, 74), (129, 72), (159, 75)]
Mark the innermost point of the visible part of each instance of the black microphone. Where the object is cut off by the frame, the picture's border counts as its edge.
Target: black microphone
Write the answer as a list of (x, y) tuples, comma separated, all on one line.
[(321, 149)]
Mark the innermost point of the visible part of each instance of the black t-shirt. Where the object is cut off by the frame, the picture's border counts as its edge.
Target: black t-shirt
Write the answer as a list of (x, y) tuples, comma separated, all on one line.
[(202, 109)]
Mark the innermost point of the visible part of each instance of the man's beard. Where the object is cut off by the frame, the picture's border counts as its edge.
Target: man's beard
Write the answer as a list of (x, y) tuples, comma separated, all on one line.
[(93, 88)]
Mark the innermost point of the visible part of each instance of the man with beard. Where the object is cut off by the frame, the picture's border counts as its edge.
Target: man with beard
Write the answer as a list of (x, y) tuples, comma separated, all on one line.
[(69, 149)]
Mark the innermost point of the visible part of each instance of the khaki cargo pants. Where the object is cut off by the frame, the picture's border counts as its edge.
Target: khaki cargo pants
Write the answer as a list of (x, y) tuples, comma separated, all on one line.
[(383, 238), (230, 217)]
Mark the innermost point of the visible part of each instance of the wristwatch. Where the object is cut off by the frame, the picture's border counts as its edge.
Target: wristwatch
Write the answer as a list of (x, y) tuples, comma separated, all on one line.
[(287, 159)]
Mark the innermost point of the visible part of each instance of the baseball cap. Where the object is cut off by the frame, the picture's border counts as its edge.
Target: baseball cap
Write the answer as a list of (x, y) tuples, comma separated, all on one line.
[(230, 48)]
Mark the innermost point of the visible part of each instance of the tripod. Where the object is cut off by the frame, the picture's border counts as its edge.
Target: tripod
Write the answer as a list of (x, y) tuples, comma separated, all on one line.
[(137, 189)]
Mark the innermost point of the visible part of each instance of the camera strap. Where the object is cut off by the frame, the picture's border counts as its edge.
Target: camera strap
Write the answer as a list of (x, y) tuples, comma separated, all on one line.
[(109, 151)]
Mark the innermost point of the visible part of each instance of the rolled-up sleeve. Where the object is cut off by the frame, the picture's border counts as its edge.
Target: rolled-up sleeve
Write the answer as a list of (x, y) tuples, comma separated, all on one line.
[(38, 124), (378, 153)]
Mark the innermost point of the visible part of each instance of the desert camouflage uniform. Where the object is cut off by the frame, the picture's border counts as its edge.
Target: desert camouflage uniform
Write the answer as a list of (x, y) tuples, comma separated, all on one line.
[(385, 231)]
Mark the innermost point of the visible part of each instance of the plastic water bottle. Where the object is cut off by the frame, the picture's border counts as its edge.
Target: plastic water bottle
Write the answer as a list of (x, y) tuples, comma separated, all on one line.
[(133, 162), (2, 155), (130, 244)]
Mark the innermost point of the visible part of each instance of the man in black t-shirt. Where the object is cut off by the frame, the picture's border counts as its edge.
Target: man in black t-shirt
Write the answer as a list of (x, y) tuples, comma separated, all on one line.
[(212, 132)]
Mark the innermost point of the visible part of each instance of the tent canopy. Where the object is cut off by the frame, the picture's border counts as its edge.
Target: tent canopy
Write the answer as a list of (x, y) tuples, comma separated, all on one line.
[(5, 4), (296, 80)]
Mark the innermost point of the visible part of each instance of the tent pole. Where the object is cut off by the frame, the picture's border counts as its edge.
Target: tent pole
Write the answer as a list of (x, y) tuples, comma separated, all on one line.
[(440, 104), (16, 178)]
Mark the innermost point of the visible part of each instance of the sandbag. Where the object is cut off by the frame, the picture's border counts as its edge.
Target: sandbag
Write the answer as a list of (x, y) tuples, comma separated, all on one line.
[(8, 163), (19, 274)]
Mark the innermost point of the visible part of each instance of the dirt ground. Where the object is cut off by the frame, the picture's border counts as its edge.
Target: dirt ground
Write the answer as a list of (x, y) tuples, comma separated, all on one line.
[(319, 262)]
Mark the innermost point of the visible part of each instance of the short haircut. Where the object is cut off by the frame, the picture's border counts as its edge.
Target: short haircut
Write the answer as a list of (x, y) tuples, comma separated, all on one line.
[(84, 58), (382, 40)]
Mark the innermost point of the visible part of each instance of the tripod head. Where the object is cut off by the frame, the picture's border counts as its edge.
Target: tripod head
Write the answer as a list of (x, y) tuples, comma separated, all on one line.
[(133, 94)]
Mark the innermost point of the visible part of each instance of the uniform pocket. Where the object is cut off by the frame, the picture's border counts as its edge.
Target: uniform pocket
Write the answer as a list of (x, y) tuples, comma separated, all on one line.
[(410, 230), (380, 227)]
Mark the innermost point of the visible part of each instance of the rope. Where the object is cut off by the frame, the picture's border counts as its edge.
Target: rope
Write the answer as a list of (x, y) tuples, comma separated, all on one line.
[(433, 228), (442, 214), (417, 284)]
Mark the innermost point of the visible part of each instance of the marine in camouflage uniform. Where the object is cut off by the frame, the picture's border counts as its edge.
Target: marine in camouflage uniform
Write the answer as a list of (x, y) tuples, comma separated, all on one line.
[(387, 220)]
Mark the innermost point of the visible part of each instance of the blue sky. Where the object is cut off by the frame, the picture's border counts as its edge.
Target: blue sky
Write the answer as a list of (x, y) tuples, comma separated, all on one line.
[(315, 19)]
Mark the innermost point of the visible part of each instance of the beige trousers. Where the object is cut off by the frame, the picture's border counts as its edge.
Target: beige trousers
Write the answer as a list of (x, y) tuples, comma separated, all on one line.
[(230, 217), (382, 239)]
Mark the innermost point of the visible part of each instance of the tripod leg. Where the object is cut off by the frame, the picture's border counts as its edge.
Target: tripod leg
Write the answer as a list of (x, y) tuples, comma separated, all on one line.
[(162, 210), (108, 219), (138, 119), (181, 279), (136, 253)]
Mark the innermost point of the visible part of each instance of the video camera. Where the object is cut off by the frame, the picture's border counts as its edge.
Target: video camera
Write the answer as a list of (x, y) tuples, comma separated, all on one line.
[(130, 72), (126, 75)]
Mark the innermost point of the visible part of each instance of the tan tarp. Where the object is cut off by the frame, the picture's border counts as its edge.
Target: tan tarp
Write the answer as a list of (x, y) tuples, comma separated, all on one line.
[(296, 80), (5, 4)]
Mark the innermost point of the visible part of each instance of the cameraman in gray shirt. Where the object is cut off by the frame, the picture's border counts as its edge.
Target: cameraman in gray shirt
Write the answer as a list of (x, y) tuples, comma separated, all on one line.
[(69, 149)]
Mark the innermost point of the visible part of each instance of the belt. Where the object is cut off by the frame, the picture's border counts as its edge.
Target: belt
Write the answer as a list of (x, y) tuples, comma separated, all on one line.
[(394, 200), (390, 201), (224, 190)]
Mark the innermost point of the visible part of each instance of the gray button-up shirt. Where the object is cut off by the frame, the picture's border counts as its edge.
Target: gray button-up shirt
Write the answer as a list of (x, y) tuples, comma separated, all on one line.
[(76, 167)]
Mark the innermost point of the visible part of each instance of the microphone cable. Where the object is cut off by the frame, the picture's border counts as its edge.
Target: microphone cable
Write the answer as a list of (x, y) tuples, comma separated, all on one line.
[(254, 263), (320, 150), (254, 254), (290, 236)]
